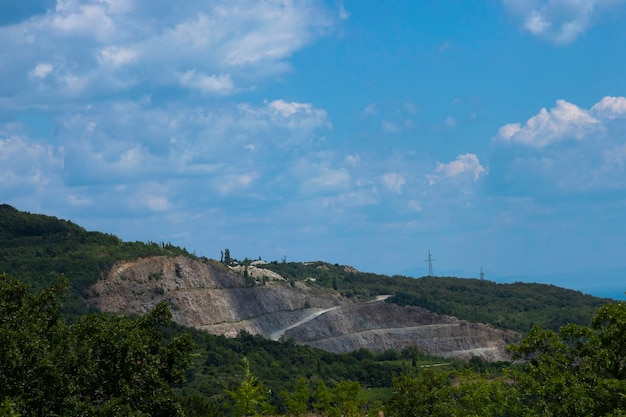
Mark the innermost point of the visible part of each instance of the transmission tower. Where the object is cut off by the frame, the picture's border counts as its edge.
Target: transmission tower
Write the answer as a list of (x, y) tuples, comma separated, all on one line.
[(482, 274), (430, 261)]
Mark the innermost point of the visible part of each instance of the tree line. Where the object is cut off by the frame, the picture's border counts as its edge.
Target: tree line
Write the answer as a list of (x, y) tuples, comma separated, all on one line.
[(516, 306), (105, 365)]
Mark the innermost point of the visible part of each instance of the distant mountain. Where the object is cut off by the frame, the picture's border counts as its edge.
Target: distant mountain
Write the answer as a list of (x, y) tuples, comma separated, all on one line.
[(38, 248), (602, 283)]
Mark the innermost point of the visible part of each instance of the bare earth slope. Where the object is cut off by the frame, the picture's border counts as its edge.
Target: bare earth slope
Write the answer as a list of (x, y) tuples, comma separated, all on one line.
[(212, 297)]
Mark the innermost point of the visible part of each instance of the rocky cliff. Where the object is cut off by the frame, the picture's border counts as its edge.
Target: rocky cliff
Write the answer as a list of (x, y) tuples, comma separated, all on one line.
[(217, 299)]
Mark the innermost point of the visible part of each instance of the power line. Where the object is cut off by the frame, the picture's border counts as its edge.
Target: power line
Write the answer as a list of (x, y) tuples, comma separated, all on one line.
[(430, 261)]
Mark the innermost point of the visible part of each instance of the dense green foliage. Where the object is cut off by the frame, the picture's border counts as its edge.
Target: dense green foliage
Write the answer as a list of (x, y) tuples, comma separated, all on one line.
[(578, 371), (106, 365), (518, 306), (103, 365), (218, 359), (39, 248), (99, 365)]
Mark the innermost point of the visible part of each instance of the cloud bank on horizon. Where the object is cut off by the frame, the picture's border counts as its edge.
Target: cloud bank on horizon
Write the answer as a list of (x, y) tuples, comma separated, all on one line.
[(354, 133)]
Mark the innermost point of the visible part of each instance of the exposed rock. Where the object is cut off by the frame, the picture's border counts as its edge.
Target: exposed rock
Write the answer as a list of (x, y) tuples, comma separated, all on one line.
[(258, 273), (212, 297), (382, 326)]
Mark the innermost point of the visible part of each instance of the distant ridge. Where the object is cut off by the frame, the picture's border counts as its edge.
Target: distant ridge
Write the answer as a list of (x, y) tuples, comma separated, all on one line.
[(38, 248)]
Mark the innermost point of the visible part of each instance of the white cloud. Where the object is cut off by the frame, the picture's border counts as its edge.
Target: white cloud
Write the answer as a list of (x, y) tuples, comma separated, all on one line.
[(218, 46), (327, 179), (80, 18), (610, 108), (42, 70), (105, 145), (26, 165), (287, 114), (464, 166), (286, 109), (352, 160), (566, 150), (117, 56), (207, 84), (564, 122), (559, 21), (615, 157), (153, 197), (393, 181), (237, 182)]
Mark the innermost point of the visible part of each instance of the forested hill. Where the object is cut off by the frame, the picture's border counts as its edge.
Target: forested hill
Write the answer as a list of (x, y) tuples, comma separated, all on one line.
[(517, 306), (38, 248)]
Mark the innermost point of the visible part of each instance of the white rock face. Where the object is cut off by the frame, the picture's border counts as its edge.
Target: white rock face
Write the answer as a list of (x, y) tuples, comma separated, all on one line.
[(215, 298)]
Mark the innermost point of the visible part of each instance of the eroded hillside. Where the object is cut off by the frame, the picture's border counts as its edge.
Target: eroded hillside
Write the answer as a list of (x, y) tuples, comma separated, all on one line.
[(213, 297)]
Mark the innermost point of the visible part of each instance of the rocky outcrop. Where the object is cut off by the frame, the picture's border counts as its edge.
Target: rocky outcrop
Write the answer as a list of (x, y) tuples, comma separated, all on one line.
[(382, 326), (212, 297)]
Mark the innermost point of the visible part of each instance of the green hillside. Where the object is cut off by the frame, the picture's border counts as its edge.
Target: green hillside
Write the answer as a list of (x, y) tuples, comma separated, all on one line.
[(516, 306), (585, 363), (39, 248)]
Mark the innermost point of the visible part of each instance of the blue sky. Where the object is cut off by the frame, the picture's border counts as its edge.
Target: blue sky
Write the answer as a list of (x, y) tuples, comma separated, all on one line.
[(492, 133)]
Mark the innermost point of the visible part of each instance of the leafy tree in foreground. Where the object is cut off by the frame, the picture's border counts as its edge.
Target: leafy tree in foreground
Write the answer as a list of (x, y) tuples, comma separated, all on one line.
[(576, 372), (425, 394), (579, 371), (297, 402), (344, 399), (249, 397), (100, 365)]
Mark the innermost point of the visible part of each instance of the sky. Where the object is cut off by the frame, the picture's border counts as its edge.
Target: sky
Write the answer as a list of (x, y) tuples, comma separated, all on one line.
[(491, 133)]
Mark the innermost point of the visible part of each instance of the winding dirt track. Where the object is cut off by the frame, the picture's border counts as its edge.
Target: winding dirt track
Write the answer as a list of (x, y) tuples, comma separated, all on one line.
[(278, 333)]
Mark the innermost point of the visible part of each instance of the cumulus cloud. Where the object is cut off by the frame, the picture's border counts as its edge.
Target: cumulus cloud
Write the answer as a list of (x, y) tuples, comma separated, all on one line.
[(117, 56), (287, 114), (464, 166), (189, 138), (207, 84), (610, 108), (565, 121), (151, 196), (211, 46), (559, 21), (116, 147), (42, 70), (567, 149)]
